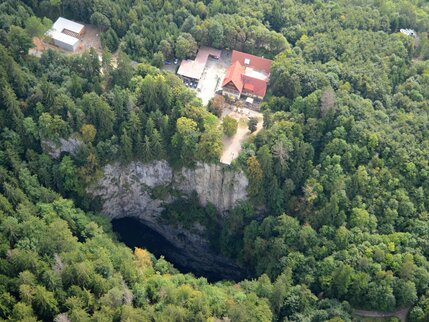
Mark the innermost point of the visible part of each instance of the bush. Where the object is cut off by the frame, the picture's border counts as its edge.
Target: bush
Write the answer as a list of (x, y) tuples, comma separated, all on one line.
[(158, 59), (252, 124), (110, 40), (216, 104), (229, 126)]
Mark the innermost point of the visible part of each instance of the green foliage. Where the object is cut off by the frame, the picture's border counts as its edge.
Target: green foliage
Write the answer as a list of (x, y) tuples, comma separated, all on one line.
[(37, 27), (109, 39), (210, 145), (158, 59), (252, 124), (64, 264), (343, 153), (100, 20), (255, 176), (229, 126), (19, 41), (185, 139), (186, 46)]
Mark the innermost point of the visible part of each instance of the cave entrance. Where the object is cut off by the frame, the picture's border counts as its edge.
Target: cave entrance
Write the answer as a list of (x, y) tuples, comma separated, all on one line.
[(134, 233)]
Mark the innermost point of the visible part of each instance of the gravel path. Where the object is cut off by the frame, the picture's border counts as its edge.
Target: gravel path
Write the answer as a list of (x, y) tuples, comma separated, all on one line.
[(232, 146), (401, 314)]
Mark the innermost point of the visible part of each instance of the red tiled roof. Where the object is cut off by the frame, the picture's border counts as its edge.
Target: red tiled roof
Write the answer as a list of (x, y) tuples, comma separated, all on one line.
[(253, 80), (255, 86), (249, 86), (234, 75), (257, 63)]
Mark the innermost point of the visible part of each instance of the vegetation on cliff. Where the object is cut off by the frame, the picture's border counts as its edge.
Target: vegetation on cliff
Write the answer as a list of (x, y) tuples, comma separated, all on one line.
[(341, 166)]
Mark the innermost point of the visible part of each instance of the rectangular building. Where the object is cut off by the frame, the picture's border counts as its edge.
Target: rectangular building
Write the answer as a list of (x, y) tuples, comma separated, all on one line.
[(69, 27), (66, 34), (65, 41)]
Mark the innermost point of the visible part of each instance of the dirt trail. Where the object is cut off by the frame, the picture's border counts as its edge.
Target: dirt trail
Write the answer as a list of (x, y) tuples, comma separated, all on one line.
[(232, 146), (401, 314)]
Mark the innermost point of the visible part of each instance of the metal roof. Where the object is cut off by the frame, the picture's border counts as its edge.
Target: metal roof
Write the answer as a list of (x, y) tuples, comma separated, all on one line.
[(63, 23), (408, 32), (194, 68), (56, 32), (64, 38)]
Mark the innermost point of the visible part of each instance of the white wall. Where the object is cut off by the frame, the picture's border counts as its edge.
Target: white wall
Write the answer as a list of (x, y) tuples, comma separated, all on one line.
[(66, 46)]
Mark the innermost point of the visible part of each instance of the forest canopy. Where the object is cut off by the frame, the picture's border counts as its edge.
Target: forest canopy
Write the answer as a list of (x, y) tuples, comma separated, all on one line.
[(337, 215)]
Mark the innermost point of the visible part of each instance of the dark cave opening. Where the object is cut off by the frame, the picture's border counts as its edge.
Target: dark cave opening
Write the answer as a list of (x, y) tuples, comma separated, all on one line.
[(135, 233)]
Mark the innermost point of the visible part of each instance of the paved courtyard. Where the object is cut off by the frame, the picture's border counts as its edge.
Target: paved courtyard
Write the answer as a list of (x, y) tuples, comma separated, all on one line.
[(91, 39), (212, 76)]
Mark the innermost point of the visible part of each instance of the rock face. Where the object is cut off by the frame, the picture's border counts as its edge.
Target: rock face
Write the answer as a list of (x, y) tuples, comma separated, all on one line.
[(142, 191), (70, 145)]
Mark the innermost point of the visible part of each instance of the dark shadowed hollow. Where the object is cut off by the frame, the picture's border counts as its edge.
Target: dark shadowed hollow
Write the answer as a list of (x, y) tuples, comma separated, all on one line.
[(134, 233)]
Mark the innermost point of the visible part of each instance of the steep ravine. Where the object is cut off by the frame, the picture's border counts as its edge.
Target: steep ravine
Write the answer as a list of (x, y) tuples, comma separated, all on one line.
[(142, 190)]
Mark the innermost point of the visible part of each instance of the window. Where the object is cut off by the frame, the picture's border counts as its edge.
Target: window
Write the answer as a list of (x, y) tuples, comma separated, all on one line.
[(246, 61)]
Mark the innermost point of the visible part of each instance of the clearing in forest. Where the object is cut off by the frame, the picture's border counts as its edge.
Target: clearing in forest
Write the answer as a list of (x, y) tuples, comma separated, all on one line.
[(232, 145), (90, 39), (380, 316)]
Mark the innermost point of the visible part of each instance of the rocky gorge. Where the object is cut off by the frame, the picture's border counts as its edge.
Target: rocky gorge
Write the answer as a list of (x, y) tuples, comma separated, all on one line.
[(142, 191)]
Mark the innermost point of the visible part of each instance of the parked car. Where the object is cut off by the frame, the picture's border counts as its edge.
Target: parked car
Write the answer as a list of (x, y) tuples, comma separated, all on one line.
[(167, 62), (176, 61)]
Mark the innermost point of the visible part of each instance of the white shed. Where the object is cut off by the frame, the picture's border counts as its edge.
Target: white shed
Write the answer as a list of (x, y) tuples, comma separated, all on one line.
[(65, 34), (409, 32), (65, 41), (67, 26)]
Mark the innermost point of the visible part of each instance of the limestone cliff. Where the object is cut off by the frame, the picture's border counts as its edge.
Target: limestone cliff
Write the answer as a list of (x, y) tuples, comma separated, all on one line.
[(142, 191), (54, 149)]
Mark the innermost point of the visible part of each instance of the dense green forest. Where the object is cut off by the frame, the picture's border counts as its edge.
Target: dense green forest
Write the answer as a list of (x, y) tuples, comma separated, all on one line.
[(338, 178)]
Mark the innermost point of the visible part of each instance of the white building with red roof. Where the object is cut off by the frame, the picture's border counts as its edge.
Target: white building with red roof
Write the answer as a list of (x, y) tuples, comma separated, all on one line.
[(248, 75)]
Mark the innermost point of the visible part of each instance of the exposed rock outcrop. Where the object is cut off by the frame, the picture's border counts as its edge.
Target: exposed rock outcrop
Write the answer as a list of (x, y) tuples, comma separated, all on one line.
[(146, 188), (142, 191), (54, 149)]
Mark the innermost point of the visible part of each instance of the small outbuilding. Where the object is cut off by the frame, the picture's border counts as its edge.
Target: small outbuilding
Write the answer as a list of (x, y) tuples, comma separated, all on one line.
[(65, 41), (69, 27), (66, 34), (409, 32)]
